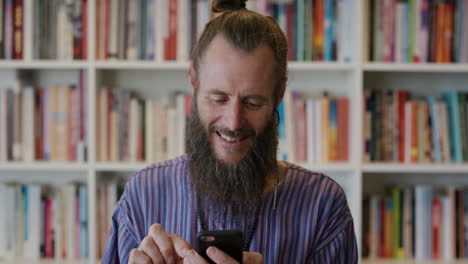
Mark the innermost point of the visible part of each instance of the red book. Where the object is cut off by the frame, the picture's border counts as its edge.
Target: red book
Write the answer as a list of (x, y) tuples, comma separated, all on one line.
[(436, 226), (402, 98), (300, 127), (381, 253), (39, 124), (107, 29), (18, 30), (48, 232), (170, 43), (84, 23)]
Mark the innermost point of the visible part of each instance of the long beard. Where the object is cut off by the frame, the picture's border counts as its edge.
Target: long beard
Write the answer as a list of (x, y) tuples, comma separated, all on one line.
[(235, 185)]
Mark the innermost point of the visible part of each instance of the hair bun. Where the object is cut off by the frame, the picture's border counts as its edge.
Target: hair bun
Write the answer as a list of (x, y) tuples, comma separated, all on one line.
[(227, 5)]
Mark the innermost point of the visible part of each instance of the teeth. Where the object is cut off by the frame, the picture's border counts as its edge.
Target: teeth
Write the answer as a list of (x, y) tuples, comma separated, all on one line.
[(228, 138)]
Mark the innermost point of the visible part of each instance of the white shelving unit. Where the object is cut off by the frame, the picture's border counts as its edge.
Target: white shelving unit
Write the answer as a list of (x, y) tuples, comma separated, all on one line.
[(152, 79)]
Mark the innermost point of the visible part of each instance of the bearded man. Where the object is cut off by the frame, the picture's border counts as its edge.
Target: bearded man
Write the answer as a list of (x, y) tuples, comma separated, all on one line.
[(230, 178)]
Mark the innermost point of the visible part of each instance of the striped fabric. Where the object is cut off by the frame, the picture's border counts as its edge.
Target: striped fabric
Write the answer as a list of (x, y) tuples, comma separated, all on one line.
[(312, 222)]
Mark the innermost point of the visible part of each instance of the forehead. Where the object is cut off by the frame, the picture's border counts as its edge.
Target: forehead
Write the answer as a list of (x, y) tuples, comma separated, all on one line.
[(225, 68)]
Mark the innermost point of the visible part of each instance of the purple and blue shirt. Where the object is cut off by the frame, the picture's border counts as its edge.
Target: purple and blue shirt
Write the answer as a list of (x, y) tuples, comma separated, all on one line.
[(311, 223)]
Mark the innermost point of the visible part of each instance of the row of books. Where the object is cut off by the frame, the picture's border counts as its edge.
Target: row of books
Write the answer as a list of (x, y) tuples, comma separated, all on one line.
[(107, 196), (398, 128), (60, 29), (421, 222), (313, 129), (133, 129), (318, 30), (419, 31), (11, 29), (44, 123), (42, 221), (166, 29)]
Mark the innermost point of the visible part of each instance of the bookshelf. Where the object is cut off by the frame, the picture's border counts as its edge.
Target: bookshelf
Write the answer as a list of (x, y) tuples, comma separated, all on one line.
[(153, 79)]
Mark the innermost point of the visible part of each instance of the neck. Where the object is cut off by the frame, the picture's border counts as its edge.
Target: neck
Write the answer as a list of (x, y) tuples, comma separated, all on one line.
[(270, 181)]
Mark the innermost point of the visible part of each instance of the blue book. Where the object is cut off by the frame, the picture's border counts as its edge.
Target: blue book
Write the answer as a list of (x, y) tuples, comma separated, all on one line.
[(300, 30), (83, 196), (451, 98), (282, 139), (26, 210), (423, 216), (435, 128), (327, 56)]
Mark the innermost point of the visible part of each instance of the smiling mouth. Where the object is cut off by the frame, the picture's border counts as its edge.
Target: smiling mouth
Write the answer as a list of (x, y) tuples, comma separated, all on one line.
[(231, 139)]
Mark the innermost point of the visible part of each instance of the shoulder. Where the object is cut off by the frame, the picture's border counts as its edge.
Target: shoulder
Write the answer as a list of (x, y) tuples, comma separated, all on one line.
[(153, 181), (309, 181), (157, 173)]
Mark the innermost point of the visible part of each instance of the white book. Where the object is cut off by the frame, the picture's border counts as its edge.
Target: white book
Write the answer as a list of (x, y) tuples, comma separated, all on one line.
[(64, 34), (56, 223), (181, 122), (318, 132), (132, 32), (399, 56), (149, 133), (104, 128), (3, 216), (133, 129), (423, 232), (33, 224), (183, 30), (447, 226), (17, 140), (19, 222), (28, 29), (111, 199), (408, 129), (10, 222), (3, 125), (172, 133), (70, 220), (162, 30), (374, 228), (311, 157), (159, 127), (28, 124), (289, 124), (113, 30)]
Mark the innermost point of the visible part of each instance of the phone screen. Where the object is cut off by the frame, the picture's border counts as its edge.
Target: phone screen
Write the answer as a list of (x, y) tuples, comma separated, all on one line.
[(229, 241)]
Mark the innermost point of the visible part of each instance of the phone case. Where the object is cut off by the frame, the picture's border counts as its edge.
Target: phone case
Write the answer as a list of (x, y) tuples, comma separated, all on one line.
[(229, 241)]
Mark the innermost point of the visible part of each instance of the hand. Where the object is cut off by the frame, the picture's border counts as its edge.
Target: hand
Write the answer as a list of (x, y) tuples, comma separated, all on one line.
[(190, 256), (158, 248)]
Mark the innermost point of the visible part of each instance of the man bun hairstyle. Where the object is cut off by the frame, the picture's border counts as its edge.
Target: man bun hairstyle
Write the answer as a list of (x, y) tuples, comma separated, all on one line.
[(245, 30), (227, 5)]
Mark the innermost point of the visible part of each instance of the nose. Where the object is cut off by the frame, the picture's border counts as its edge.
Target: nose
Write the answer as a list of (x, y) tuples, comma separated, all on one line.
[(234, 116)]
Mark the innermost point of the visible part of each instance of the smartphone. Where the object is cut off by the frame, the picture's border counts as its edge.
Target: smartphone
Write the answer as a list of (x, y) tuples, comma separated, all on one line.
[(229, 241)]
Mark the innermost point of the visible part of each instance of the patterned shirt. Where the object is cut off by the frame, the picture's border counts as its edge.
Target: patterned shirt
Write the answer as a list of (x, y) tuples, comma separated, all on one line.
[(311, 223)]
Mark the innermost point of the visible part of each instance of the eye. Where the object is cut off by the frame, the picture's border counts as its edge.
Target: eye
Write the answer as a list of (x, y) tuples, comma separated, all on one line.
[(253, 104), (218, 99)]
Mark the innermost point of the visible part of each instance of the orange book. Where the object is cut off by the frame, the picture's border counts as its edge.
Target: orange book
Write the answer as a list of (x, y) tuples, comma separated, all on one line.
[(343, 129), (448, 32), (318, 17), (440, 42), (18, 30)]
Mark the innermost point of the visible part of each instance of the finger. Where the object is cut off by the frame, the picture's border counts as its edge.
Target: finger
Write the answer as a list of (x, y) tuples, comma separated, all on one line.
[(137, 256), (252, 257), (219, 256), (192, 257), (151, 250), (181, 246), (163, 243)]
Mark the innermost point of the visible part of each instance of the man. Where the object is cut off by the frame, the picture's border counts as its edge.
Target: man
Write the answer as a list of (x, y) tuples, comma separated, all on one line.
[(230, 178)]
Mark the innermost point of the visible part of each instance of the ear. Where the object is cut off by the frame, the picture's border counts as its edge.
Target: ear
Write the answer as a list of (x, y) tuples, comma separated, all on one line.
[(193, 78)]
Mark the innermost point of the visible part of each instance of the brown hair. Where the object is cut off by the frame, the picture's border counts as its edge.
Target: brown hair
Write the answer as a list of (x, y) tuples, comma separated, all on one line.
[(244, 30)]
